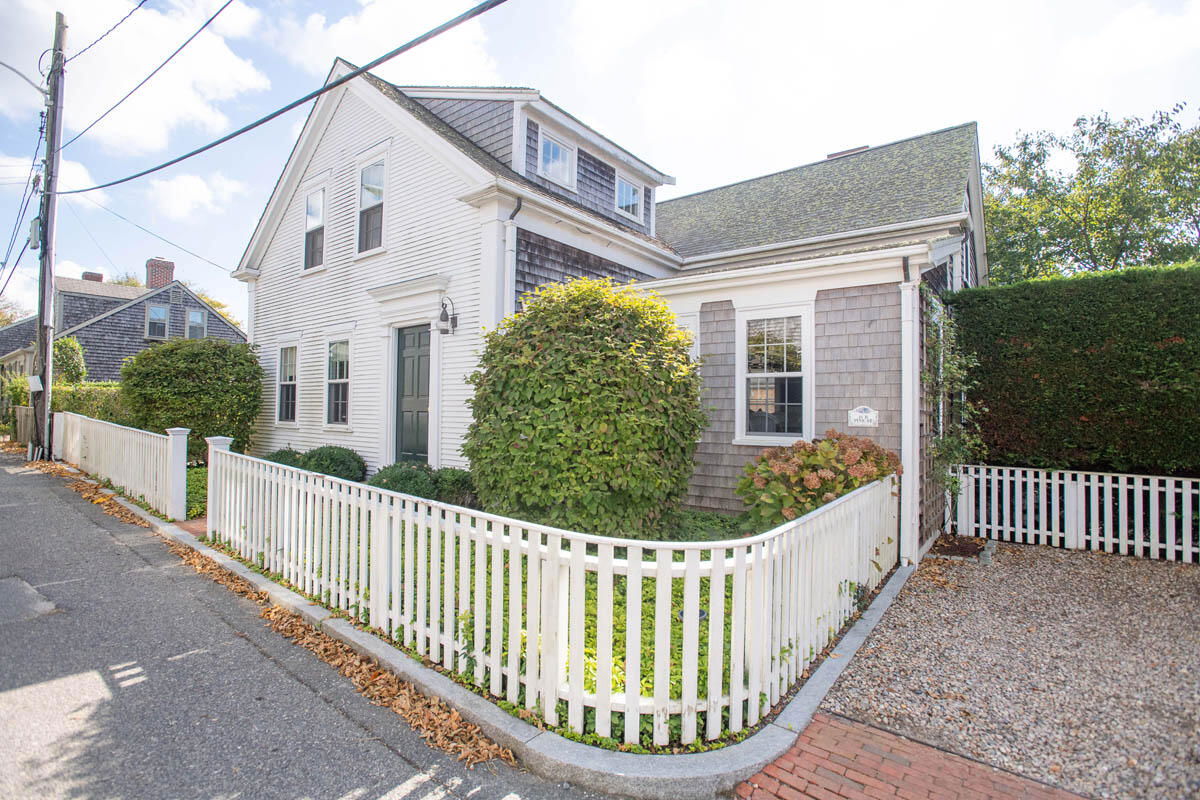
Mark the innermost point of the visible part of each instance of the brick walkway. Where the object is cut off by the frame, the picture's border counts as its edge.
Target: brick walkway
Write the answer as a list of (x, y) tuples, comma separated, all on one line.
[(838, 758)]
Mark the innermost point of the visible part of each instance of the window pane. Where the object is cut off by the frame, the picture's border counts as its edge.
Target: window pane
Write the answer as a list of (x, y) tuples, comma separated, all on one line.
[(775, 358), (370, 228), (775, 405), (339, 360), (339, 404), (314, 214), (628, 197), (555, 160), (196, 324), (287, 402), (372, 186), (756, 359), (314, 248), (158, 314), (287, 364)]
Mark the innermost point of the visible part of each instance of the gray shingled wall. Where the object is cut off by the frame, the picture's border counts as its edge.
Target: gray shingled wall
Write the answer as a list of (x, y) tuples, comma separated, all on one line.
[(596, 181), (17, 335), (76, 308), (718, 463), (858, 359), (487, 123), (109, 341), (541, 260)]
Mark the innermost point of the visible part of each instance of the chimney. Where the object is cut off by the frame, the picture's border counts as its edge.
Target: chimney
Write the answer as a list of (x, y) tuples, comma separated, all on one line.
[(849, 152), (93, 276), (159, 272)]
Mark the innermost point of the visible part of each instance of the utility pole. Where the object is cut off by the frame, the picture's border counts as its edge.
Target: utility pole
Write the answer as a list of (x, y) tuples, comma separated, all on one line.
[(45, 332)]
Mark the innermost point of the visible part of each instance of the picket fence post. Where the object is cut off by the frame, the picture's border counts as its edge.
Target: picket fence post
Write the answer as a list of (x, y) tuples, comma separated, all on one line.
[(56, 437), (215, 443), (1074, 512), (177, 472)]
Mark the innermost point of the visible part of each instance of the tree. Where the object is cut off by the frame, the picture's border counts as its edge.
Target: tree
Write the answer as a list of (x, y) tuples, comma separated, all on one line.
[(10, 312), (586, 411), (1112, 193), (127, 279), (69, 366), (212, 386)]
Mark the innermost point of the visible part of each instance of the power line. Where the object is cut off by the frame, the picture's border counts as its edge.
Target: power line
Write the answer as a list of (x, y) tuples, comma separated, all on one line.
[(13, 271), (440, 29), (156, 235), (88, 231), (143, 81), (107, 32), (26, 195)]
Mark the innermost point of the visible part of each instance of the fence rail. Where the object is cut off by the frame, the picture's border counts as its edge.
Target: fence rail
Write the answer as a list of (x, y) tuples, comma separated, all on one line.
[(148, 466), (1140, 515), (24, 422), (615, 637)]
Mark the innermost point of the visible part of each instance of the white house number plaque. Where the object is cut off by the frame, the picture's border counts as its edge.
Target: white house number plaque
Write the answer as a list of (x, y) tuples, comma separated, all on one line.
[(863, 417)]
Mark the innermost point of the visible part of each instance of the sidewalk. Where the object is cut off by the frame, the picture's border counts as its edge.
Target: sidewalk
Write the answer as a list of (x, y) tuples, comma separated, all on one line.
[(839, 758), (146, 680)]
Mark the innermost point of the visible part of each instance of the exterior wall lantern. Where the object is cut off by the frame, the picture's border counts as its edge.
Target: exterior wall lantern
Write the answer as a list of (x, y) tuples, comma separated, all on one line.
[(448, 319)]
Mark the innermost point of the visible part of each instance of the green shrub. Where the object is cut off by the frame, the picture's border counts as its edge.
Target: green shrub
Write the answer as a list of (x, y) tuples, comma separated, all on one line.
[(1097, 371), (286, 456), (787, 482), (69, 367), (455, 486), (17, 390), (407, 477), (340, 462), (212, 386), (197, 492), (586, 411), (97, 400)]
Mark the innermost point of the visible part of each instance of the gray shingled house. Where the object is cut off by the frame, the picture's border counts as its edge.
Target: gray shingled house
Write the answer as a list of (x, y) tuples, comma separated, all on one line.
[(114, 322), (409, 219)]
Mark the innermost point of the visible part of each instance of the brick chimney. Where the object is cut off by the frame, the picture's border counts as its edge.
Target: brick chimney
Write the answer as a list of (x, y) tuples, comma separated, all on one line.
[(93, 276), (159, 272)]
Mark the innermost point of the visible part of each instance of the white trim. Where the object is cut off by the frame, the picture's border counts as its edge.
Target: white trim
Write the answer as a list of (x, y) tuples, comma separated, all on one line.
[(641, 192), (910, 398), (518, 139), (166, 322), (380, 152), (187, 323), (565, 144), (805, 309), (279, 348), (332, 338), (692, 262), (597, 141)]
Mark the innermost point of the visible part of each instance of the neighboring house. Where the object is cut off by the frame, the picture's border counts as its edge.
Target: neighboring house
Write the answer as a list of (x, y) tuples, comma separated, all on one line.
[(410, 219), (114, 322)]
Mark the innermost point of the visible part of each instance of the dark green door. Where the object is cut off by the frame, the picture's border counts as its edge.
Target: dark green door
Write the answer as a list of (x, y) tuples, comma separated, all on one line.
[(412, 394)]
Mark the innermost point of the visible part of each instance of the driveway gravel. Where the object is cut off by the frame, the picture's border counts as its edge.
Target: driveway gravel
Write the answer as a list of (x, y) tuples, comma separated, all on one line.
[(1078, 669)]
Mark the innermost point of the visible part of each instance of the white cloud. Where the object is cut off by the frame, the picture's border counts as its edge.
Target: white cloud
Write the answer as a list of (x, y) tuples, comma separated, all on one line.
[(457, 57), (71, 175), (183, 196), (185, 94)]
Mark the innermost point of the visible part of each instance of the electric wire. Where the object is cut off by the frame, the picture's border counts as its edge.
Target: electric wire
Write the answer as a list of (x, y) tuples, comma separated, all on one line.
[(26, 197), (349, 76), (160, 237), (154, 72), (79, 218), (100, 38), (13, 271)]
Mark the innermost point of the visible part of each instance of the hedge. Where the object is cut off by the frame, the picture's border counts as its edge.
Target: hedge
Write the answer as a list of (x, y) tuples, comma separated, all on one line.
[(1097, 371), (98, 399)]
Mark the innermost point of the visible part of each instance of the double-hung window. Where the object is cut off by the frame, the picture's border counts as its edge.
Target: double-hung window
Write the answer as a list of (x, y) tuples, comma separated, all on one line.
[(314, 229), (197, 323), (629, 198), (556, 160), (156, 321), (337, 384), (285, 407), (774, 377), (370, 207)]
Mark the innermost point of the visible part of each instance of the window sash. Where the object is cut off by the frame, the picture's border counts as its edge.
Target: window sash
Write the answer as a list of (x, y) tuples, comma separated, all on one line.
[(337, 383), (774, 376), (314, 210), (370, 228), (629, 198), (555, 160), (371, 185), (193, 324), (156, 328), (314, 248), (285, 409)]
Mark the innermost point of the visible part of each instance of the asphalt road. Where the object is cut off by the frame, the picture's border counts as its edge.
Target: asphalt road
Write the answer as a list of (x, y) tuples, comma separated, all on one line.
[(147, 680)]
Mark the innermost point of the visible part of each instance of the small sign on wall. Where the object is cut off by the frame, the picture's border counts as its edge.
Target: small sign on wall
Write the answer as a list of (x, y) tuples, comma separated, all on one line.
[(862, 417)]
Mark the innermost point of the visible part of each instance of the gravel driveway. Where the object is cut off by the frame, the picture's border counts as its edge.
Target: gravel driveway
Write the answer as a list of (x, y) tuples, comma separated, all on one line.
[(1079, 669)]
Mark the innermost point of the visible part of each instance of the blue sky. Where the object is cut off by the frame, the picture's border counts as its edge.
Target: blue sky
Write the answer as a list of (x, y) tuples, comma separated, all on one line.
[(710, 92)]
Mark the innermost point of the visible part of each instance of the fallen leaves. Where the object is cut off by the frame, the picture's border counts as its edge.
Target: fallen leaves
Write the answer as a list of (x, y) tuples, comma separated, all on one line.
[(90, 491)]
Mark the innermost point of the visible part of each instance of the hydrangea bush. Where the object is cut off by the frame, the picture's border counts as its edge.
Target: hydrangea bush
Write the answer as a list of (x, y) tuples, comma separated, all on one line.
[(787, 482)]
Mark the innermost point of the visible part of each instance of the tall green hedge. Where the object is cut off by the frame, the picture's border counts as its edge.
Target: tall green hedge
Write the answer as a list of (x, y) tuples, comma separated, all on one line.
[(96, 399), (1097, 371)]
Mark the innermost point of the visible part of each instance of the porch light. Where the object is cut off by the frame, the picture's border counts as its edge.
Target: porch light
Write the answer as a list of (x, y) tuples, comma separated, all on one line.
[(448, 319)]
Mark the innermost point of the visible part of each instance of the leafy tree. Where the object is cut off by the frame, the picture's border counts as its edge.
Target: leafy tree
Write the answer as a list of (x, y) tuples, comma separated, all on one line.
[(586, 411), (212, 386), (1112, 193), (69, 366), (127, 279), (10, 312)]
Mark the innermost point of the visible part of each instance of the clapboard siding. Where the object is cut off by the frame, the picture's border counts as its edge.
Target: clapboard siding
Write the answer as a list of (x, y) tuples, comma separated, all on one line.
[(596, 182), (487, 123), (541, 260), (427, 232)]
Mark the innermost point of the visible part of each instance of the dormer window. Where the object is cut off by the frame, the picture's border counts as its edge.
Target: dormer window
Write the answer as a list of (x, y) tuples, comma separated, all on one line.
[(556, 161), (314, 229), (629, 198)]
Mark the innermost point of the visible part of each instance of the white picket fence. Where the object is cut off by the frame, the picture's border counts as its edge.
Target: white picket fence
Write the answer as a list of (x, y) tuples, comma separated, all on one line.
[(1140, 515), (689, 639), (24, 422), (144, 465)]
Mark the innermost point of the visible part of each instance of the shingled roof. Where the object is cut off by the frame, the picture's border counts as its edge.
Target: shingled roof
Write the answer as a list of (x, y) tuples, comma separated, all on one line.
[(925, 176), (116, 291)]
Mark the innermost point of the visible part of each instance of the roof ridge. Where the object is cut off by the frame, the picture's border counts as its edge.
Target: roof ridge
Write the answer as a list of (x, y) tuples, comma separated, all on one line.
[(821, 161)]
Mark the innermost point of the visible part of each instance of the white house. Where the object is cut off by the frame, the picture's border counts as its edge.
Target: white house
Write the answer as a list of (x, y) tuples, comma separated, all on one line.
[(409, 219)]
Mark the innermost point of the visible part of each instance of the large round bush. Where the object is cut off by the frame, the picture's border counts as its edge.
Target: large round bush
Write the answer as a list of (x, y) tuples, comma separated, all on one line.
[(407, 478), (340, 462), (212, 386), (287, 456), (586, 411)]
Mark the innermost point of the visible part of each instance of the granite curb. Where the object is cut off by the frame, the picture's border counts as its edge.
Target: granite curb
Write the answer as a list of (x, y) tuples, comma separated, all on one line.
[(691, 776)]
